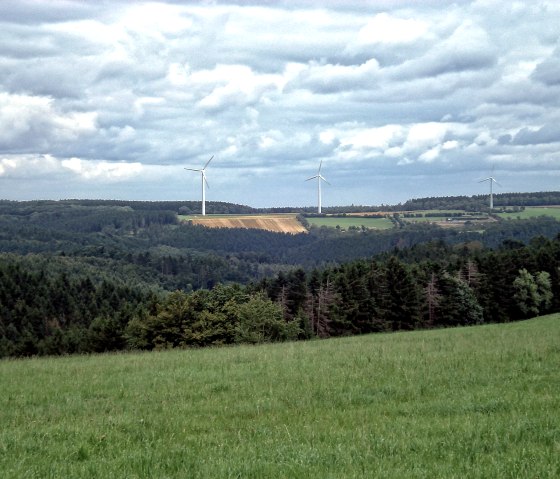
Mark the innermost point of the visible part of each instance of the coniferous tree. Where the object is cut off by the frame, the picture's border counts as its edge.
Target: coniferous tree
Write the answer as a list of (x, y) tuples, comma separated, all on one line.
[(403, 297)]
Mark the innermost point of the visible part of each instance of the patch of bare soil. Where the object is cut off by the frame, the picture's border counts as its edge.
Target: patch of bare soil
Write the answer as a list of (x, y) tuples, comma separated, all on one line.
[(278, 224)]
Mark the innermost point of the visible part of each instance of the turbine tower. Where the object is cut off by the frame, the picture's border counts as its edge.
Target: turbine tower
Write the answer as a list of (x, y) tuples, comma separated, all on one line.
[(491, 180), (319, 179), (203, 176)]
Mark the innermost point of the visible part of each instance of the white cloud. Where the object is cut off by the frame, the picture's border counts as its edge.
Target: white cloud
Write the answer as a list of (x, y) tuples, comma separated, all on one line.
[(37, 166), (102, 169), (421, 135), (373, 138), (333, 78), (430, 155), (178, 74), (35, 121), (7, 164), (385, 28)]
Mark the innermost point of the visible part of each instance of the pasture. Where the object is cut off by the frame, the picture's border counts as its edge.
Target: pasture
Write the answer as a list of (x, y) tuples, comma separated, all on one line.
[(532, 212), (346, 222), (470, 402)]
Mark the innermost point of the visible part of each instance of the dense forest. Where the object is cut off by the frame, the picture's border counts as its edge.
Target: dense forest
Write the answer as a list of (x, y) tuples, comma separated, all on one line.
[(87, 276)]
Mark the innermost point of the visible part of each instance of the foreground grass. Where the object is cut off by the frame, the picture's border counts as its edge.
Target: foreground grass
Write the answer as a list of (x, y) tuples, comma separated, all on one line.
[(470, 402)]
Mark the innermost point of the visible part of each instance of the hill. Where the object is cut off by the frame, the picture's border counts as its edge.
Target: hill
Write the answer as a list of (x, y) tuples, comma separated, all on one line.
[(145, 244), (468, 402)]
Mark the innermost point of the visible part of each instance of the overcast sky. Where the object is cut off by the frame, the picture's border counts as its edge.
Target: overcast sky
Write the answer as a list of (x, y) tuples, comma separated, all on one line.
[(399, 99)]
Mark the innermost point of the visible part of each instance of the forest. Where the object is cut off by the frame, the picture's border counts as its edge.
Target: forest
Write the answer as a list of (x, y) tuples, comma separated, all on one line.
[(82, 276)]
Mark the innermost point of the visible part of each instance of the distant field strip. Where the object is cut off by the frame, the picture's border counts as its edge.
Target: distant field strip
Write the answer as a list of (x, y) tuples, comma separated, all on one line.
[(349, 221), (532, 212), (281, 223), (478, 402)]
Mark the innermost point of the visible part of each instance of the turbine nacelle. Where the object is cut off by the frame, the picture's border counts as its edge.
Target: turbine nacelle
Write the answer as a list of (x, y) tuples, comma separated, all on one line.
[(320, 178), (491, 179)]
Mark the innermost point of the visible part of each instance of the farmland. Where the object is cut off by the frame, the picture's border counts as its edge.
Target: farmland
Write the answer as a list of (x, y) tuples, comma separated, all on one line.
[(278, 223), (447, 218), (532, 212), (288, 223), (382, 220), (349, 221), (469, 402)]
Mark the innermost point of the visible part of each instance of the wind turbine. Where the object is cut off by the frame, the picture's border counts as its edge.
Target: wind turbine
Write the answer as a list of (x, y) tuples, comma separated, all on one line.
[(491, 180), (203, 176), (319, 179)]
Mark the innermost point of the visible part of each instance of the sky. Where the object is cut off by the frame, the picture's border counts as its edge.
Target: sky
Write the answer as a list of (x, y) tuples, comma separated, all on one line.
[(396, 99)]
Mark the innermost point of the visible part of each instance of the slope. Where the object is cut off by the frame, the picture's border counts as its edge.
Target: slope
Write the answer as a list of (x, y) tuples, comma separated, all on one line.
[(467, 402)]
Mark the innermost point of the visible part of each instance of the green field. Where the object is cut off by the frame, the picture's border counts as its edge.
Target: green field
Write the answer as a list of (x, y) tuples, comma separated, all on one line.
[(423, 219), (470, 402), (532, 212), (349, 221)]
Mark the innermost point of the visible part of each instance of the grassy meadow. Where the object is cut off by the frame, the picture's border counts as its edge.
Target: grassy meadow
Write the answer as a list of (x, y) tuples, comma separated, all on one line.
[(533, 211), (475, 402), (348, 221)]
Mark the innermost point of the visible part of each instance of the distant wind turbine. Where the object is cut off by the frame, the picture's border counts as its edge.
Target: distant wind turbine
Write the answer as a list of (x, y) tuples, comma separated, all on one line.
[(491, 180), (319, 179), (203, 176)]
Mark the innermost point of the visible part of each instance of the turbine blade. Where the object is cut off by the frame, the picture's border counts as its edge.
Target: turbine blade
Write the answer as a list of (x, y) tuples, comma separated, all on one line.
[(205, 180), (320, 164), (208, 162), (312, 178), (191, 169)]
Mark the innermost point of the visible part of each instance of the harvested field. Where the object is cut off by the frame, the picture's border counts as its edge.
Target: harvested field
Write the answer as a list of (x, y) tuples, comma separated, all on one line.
[(276, 223)]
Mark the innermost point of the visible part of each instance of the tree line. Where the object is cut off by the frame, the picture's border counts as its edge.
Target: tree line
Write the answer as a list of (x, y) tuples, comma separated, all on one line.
[(468, 203), (44, 310)]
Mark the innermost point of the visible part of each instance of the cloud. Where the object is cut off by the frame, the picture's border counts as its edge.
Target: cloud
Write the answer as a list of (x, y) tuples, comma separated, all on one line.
[(467, 48), (384, 28), (37, 166), (28, 123), (101, 169), (336, 78), (119, 96), (546, 134), (231, 85), (548, 71)]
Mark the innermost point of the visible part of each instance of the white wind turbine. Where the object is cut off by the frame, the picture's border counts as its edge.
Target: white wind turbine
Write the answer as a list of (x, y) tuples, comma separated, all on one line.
[(203, 176), (491, 180), (319, 179)]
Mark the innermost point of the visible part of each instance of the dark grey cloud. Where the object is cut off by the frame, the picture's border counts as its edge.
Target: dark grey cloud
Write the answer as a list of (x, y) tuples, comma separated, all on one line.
[(548, 71), (547, 134), (31, 12)]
